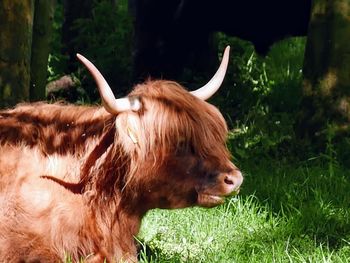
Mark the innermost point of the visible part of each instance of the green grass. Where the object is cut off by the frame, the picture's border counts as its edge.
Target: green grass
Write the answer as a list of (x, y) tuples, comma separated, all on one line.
[(284, 213)]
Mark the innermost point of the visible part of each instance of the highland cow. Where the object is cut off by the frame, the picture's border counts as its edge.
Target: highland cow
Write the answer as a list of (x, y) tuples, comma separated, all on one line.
[(77, 180)]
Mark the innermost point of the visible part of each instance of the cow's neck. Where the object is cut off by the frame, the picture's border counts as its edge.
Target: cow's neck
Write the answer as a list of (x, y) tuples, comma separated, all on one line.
[(103, 178)]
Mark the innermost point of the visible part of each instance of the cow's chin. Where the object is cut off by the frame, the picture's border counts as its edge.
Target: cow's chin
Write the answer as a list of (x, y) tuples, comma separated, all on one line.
[(208, 200), (211, 200)]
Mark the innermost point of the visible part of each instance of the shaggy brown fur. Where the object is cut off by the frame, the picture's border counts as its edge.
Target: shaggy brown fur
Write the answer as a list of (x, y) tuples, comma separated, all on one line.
[(76, 180)]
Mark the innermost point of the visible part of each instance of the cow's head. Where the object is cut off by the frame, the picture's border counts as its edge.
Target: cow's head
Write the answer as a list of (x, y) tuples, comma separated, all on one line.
[(176, 142)]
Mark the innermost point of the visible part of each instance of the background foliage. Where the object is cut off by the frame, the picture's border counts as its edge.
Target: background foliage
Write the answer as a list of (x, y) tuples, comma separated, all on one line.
[(106, 39), (262, 103), (260, 97)]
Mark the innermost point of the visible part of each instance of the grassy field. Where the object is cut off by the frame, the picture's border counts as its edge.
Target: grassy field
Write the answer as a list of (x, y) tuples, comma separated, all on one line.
[(284, 213)]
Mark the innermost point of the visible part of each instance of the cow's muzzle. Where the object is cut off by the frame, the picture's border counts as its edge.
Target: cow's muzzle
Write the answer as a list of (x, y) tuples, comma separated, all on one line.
[(227, 184)]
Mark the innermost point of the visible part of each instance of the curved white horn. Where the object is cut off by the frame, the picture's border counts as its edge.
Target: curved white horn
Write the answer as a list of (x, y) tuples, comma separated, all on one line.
[(214, 84), (112, 105)]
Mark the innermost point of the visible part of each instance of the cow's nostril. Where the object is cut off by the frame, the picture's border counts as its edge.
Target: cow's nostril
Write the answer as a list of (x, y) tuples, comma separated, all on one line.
[(228, 181)]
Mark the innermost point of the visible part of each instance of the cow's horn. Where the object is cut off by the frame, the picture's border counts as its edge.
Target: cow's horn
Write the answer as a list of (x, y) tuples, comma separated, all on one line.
[(214, 84), (110, 103)]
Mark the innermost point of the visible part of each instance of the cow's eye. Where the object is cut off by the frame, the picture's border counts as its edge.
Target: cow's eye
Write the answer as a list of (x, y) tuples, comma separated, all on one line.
[(184, 148), (212, 175)]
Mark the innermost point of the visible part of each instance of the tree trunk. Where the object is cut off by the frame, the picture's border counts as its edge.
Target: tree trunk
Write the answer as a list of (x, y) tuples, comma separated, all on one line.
[(16, 22), (326, 85), (42, 29)]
